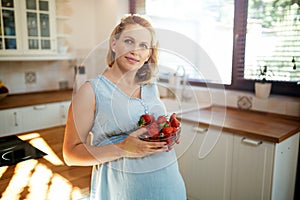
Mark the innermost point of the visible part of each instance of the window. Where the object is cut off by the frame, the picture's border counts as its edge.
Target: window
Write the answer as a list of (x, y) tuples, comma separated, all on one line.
[(267, 34), (200, 53), (242, 35)]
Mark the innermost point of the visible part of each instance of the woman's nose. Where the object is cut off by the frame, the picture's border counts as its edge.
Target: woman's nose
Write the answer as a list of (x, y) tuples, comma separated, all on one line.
[(134, 48)]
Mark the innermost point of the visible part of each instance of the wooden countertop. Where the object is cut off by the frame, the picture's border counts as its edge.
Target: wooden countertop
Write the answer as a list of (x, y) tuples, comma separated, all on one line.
[(29, 99), (266, 126)]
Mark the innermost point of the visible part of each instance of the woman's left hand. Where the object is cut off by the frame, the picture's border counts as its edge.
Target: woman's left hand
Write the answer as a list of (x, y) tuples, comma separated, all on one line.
[(132, 146)]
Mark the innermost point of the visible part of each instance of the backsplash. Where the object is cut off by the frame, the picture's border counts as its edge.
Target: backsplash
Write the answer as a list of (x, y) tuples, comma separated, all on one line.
[(33, 76), (274, 104), (238, 99)]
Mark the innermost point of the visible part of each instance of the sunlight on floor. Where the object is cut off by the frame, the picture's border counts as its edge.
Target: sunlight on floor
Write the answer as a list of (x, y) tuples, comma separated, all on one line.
[(36, 180), (38, 142), (2, 170)]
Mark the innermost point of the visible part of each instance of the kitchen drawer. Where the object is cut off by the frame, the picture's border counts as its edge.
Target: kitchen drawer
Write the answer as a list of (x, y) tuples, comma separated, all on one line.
[(41, 116), (23, 119)]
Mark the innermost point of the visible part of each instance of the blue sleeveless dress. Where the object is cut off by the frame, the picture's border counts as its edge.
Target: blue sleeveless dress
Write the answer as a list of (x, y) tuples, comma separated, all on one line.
[(154, 177)]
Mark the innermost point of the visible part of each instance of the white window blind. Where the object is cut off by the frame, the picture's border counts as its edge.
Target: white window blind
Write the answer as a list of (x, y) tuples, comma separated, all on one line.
[(273, 40)]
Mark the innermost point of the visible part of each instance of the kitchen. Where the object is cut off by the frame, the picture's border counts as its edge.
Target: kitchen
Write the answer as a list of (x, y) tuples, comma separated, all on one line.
[(82, 26)]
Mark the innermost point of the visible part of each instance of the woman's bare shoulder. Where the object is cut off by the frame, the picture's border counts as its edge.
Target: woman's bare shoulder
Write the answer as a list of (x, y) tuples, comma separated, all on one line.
[(85, 92)]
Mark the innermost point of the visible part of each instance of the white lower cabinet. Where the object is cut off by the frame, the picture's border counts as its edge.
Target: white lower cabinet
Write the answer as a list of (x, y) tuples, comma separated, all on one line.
[(64, 107), (40, 116), (23, 119), (237, 167), (252, 169), (11, 121), (206, 169), (285, 168)]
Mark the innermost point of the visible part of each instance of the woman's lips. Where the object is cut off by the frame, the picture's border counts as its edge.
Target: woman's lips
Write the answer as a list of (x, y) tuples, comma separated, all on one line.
[(132, 60)]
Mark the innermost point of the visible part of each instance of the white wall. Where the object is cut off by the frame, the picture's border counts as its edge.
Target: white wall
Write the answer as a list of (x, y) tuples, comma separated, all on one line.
[(91, 22)]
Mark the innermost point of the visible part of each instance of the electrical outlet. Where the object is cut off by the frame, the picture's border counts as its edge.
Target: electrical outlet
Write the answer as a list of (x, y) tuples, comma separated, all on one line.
[(30, 77)]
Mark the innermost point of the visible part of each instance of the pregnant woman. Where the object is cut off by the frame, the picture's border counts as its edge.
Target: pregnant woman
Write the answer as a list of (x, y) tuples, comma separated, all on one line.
[(109, 106)]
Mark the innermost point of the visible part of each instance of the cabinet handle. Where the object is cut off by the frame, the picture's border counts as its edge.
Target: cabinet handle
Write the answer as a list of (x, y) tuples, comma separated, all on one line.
[(40, 107), (62, 111), (15, 119), (200, 129), (252, 142)]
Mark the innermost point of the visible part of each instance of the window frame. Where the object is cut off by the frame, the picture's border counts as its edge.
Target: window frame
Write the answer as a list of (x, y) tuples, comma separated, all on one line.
[(240, 29), (238, 58)]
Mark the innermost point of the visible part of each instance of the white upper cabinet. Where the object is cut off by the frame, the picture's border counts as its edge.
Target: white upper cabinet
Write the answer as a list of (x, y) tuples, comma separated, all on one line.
[(39, 27), (28, 30), (9, 31)]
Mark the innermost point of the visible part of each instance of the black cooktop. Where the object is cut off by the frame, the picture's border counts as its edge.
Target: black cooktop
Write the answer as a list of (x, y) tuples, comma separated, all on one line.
[(14, 150)]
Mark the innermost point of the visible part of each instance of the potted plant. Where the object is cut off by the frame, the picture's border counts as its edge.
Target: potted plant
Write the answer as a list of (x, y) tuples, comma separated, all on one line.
[(263, 87)]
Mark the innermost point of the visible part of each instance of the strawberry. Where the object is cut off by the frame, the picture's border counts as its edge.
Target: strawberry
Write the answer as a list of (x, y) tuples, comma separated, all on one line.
[(173, 116), (174, 121), (161, 119), (145, 120), (167, 131), (161, 128), (153, 129), (175, 129), (169, 140), (162, 122)]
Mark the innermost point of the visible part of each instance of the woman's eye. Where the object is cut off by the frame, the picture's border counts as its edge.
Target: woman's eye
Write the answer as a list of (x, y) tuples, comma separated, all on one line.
[(128, 41), (144, 46)]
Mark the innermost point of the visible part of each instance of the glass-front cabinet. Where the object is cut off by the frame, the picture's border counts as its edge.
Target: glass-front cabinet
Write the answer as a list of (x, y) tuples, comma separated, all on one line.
[(8, 37), (27, 27), (38, 25)]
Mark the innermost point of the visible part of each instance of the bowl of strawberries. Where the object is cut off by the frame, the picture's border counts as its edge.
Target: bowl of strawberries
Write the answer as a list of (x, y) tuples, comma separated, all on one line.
[(161, 129)]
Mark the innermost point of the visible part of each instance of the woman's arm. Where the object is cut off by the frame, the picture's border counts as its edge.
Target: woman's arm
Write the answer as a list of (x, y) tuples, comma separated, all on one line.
[(79, 123)]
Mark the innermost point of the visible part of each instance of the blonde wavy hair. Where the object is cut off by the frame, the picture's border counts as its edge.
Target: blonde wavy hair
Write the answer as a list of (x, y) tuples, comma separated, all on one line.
[(146, 73)]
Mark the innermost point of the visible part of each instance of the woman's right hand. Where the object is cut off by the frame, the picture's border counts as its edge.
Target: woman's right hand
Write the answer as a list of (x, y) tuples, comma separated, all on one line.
[(133, 147)]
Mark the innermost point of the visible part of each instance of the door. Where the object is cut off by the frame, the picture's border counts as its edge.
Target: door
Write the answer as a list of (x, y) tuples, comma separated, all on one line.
[(252, 169), (38, 26), (27, 27), (9, 41), (11, 121), (64, 107), (207, 176)]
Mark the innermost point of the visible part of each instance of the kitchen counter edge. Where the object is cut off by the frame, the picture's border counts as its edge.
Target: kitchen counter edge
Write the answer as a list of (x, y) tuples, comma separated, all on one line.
[(35, 98), (295, 121)]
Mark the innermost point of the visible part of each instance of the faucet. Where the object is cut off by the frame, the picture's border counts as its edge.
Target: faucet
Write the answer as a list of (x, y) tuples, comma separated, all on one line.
[(183, 70), (184, 93)]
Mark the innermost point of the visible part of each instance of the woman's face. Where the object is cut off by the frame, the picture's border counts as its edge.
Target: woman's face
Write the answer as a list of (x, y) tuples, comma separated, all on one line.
[(132, 49)]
